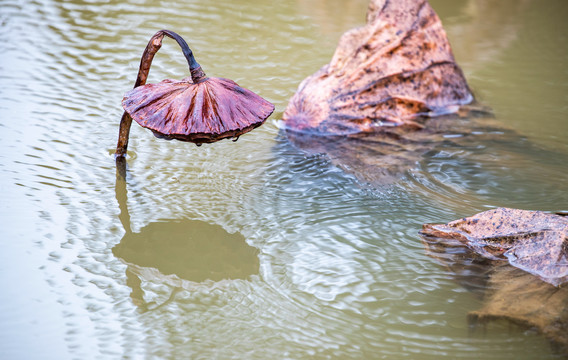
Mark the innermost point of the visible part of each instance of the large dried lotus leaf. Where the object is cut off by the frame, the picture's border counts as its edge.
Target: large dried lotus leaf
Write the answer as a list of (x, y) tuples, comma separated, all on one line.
[(395, 69), (207, 111)]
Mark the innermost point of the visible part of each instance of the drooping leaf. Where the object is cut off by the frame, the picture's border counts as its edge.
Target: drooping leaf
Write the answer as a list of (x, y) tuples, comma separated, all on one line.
[(206, 111)]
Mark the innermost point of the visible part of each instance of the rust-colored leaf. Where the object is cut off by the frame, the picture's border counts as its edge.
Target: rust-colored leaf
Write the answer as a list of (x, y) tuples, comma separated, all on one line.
[(197, 109), (534, 241), (507, 292), (395, 70), (207, 111)]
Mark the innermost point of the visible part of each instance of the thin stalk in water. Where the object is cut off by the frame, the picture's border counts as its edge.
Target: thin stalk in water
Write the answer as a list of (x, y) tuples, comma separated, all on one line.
[(152, 48)]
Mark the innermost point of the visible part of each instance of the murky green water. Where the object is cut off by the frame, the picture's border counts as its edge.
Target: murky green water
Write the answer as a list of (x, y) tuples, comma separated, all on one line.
[(252, 250)]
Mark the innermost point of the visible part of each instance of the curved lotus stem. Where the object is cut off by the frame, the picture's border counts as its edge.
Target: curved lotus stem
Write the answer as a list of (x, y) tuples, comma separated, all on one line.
[(155, 43), (197, 73)]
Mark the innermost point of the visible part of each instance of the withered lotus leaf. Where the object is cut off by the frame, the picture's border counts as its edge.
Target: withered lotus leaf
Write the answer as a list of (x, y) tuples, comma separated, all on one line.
[(395, 70), (207, 111), (506, 292), (534, 241), (196, 109)]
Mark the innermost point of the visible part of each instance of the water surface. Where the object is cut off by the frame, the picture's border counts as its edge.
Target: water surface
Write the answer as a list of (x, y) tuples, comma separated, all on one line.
[(287, 255)]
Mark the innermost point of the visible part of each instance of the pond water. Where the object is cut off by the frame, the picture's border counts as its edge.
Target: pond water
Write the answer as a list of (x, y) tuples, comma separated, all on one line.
[(253, 249)]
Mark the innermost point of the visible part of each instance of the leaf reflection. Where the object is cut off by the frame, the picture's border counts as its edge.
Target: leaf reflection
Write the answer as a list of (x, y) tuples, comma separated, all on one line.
[(179, 253)]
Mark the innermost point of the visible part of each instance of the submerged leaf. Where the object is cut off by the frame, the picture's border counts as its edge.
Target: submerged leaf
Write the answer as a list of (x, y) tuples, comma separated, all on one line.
[(506, 292), (521, 298)]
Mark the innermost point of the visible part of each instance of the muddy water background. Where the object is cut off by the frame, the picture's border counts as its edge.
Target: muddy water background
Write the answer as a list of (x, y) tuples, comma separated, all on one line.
[(251, 249)]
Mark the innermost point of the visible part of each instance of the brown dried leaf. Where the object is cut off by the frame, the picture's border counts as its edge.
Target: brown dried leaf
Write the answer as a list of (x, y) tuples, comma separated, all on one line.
[(202, 112), (506, 291), (534, 241), (395, 69)]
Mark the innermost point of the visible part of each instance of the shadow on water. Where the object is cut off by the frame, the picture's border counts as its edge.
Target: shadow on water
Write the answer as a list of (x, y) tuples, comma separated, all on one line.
[(382, 157), (178, 252), (454, 159)]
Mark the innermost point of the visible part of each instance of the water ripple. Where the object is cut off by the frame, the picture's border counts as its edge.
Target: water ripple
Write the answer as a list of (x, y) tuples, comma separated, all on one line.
[(339, 271)]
